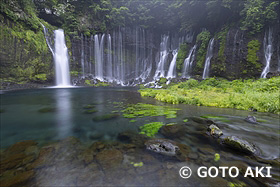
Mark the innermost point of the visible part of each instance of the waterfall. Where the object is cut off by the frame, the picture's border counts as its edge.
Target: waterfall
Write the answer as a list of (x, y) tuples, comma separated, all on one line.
[(109, 59), (172, 68), (267, 45), (208, 57), (163, 57), (61, 60), (46, 33), (82, 55), (188, 63), (98, 53)]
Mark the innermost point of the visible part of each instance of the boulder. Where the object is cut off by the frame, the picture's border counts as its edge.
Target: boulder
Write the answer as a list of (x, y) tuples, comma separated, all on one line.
[(251, 119), (239, 144), (214, 131), (168, 148)]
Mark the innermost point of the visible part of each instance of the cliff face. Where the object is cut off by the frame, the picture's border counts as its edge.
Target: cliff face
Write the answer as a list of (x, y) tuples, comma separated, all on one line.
[(130, 53), (244, 55)]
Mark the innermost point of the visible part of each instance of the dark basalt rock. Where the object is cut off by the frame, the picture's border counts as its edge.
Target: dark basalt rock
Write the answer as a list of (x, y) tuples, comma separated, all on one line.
[(162, 146), (240, 145), (251, 119), (214, 131), (201, 120)]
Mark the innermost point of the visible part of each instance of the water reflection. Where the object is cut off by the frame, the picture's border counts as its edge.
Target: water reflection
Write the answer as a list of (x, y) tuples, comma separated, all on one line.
[(64, 113)]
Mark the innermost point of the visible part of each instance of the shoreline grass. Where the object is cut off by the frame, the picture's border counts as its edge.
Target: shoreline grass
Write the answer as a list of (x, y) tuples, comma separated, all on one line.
[(260, 95)]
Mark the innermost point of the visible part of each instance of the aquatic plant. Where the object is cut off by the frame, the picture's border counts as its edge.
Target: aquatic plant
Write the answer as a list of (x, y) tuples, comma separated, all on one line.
[(142, 110), (151, 129), (217, 157)]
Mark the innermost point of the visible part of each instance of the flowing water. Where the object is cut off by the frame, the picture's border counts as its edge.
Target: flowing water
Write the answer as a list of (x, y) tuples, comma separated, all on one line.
[(62, 73), (208, 57), (172, 68), (188, 62), (268, 50), (22, 119)]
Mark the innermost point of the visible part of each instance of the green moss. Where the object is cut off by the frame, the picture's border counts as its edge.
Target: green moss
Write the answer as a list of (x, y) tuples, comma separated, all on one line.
[(47, 110), (182, 54), (217, 157), (132, 121), (105, 117), (40, 77), (202, 38), (74, 73), (252, 57), (101, 84), (219, 66), (151, 129), (162, 80), (88, 83), (90, 106), (91, 111), (142, 110)]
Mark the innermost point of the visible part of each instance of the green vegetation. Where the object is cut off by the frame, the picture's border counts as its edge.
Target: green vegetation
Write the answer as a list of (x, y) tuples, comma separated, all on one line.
[(261, 95), (217, 157), (253, 48), (151, 129), (219, 66), (139, 164), (257, 13), (90, 111), (140, 110), (105, 117), (47, 110), (202, 38), (182, 54)]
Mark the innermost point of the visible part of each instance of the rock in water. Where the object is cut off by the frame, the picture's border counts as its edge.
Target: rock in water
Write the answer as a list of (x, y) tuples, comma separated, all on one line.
[(214, 131), (173, 131), (162, 146), (240, 145), (251, 119)]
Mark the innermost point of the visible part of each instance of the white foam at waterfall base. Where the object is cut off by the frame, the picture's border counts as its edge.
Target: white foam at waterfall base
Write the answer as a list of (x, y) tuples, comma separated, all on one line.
[(61, 60)]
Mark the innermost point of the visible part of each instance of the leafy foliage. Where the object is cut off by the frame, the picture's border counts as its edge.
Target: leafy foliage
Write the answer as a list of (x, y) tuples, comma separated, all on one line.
[(202, 38), (261, 95)]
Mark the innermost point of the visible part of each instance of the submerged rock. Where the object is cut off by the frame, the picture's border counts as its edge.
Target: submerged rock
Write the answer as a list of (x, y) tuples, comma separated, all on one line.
[(47, 110), (239, 144), (168, 148), (251, 119), (162, 146), (173, 131), (91, 111), (214, 131), (105, 117), (109, 159), (201, 120), (90, 106)]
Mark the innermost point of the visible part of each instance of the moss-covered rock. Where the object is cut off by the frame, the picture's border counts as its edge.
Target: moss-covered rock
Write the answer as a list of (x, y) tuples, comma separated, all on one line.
[(105, 117), (239, 144), (47, 110)]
